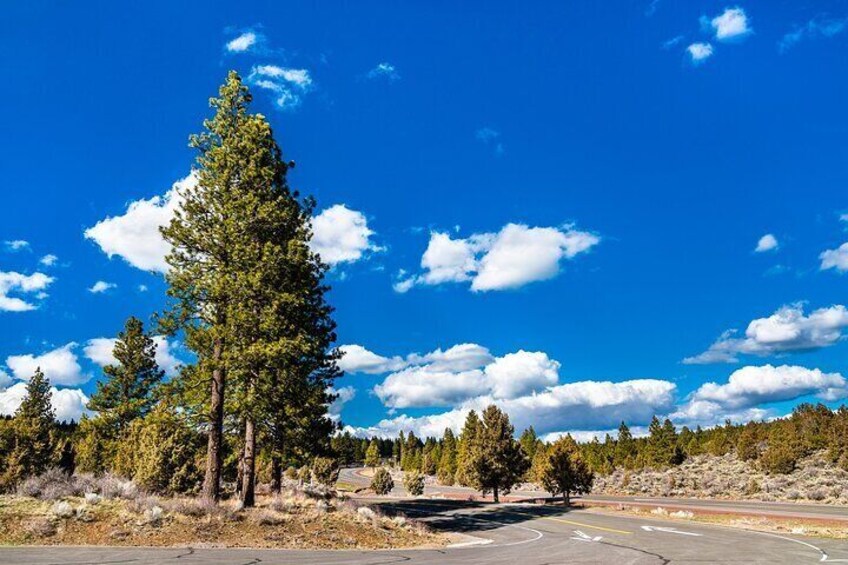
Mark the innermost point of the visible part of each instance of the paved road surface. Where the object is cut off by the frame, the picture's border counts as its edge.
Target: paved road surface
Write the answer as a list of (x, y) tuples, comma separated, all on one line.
[(512, 534), (821, 512)]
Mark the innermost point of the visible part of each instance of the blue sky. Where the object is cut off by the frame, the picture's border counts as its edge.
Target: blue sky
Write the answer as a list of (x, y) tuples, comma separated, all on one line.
[(557, 210)]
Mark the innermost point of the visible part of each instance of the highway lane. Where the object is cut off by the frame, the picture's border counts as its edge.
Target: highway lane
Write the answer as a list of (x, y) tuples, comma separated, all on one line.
[(502, 534)]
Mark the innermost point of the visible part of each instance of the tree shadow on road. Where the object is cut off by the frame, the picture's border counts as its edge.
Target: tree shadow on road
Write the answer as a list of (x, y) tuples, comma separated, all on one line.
[(467, 516)]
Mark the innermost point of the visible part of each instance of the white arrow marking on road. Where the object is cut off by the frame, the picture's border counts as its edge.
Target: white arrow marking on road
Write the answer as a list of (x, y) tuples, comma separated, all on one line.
[(669, 531), (583, 537)]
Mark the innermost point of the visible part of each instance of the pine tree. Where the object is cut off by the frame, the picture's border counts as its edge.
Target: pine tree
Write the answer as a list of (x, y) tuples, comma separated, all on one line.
[(625, 448), (498, 460), (202, 233), (372, 455), (528, 441), (127, 391), (447, 462), (32, 432), (564, 471), (465, 451)]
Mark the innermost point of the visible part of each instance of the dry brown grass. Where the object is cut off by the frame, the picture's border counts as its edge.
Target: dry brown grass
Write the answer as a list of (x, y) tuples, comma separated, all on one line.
[(294, 519), (706, 476)]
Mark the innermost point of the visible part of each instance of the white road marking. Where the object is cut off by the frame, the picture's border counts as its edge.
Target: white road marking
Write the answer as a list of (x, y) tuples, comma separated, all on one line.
[(824, 557), (580, 536), (481, 541), (669, 531)]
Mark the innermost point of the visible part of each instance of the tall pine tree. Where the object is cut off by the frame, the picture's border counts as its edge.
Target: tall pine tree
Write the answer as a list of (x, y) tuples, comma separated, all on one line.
[(126, 393), (33, 427)]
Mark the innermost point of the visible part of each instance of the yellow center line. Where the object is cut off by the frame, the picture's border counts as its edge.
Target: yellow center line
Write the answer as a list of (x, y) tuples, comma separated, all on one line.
[(572, 523)]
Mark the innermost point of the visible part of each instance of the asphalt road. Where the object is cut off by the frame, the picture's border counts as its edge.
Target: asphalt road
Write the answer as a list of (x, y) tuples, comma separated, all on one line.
[(511, 534), (818, 512)]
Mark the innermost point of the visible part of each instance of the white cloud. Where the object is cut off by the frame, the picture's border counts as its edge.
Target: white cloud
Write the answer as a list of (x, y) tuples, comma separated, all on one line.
[(134, 236), (59, 365), (287, 84), (739, 399), (752, 385), (489, 136), (700, 52), (731, 24), (18, 283), (384, 70), (345, 395), (835, 258), (5, 380), (99, 350), (101, 286), (16, 245), (341, 235), (766, 243), (787, 330), (68, 403), (583, 405), (511, 258), (243, 42), (48, 260), (357, 359), (816, 27)]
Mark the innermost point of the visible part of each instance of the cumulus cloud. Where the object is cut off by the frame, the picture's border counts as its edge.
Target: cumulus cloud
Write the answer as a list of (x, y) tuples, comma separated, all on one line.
[(700, 52), (341, 235), (48, 260), (787, 330), (59, 365), (732, 24), (586, 405), (515, 256), (16, 245), (101, 286), (134, 236), (749, 387), (288, 85), (835, 258), (68, 403), (385, 71), (244, 42), (99, 350), (766, 243), (357, 359), (814, 28), (344, 395), (17, 283)]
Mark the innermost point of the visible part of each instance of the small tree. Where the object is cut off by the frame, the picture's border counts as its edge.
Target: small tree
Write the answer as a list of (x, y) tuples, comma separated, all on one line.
[(498, 462), (413, 482), (372, 454), (127, 391), (325, 471), (32, 432), (382, 482), (564, 471)]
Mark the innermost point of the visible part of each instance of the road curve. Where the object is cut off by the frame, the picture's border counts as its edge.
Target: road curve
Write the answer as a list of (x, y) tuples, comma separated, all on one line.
[(506, 534)]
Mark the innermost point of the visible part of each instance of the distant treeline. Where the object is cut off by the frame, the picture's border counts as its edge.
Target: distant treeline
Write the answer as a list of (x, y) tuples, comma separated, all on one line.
[(775, 446)]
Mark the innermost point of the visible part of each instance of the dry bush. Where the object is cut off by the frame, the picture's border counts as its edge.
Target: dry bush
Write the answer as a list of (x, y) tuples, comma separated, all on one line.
[(62, 509), (113, 486), (267, 518), (39, 527)]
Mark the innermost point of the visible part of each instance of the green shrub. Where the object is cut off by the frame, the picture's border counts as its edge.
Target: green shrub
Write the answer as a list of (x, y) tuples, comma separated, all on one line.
[(382, 482), (325, 471), (413, 482)]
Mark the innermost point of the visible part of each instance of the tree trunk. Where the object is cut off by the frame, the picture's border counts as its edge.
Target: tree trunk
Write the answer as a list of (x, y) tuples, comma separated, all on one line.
[(248, 489), (566, 498), (212, 480), (495, 495), (276, 474)]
